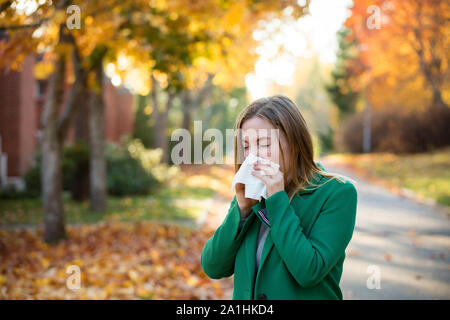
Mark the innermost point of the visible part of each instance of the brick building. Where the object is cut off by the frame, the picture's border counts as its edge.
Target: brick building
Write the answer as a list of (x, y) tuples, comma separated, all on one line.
[(21, 102)]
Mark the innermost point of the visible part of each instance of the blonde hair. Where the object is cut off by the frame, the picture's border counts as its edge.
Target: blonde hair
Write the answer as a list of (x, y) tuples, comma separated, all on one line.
[(284, 114)]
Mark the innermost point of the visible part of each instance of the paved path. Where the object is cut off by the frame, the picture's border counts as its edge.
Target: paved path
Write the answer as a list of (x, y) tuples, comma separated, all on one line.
[(407, 243)]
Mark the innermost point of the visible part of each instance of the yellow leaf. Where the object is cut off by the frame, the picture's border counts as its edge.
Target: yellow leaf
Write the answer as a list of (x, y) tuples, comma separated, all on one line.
[(41, 282), (181, 252), (192, 281), (141, 291), (216, 285), (154, 254), (44, 263), (133, 275), (43, 69)]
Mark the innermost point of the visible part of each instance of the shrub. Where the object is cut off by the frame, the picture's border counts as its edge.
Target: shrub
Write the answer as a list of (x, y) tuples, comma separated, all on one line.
[(129, 168), (127, 176), (397, 131), (77, 153), (151, 160)]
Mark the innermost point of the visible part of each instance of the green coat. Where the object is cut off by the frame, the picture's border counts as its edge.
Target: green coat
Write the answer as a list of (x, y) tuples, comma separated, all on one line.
[(303, 253)]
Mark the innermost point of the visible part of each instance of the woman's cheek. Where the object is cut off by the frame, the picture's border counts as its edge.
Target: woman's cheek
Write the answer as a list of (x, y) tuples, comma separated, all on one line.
[(274, 154)]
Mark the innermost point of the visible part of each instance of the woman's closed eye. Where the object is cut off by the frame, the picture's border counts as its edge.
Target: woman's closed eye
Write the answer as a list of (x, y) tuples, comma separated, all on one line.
[(261, 146)]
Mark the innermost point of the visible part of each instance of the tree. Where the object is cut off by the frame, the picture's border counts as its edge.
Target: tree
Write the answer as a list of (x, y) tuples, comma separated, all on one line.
[(65, 58), (54, 129), (191, 48), (405, 55), (163, 38), (96, 141), (342, 90)]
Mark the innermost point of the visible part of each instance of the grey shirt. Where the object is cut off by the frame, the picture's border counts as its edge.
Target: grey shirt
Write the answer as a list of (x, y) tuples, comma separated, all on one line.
[(263, 232)]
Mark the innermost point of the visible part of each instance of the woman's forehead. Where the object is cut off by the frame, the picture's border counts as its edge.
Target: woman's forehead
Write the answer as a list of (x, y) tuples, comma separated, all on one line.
[(253, 135), (256, 123), (257, 128)]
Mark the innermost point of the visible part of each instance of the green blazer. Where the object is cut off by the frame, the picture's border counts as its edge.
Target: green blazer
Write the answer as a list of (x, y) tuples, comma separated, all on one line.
[(303, 253)]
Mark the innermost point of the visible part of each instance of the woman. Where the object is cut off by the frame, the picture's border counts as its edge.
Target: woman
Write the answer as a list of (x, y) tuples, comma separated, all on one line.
[(290, 245)]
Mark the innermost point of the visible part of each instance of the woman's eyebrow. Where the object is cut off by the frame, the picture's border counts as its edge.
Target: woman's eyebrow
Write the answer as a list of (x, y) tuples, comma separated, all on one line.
[(260, 138)]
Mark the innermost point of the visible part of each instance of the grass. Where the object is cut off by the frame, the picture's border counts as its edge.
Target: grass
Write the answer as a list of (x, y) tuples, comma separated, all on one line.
[(427, 174), (168, 204)]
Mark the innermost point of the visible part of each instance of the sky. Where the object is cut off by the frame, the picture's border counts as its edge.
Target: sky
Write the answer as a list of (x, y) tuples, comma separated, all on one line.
[(313, 34)]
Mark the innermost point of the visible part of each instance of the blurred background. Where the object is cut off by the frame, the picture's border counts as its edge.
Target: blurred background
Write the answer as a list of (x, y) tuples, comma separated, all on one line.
[(92, 205)]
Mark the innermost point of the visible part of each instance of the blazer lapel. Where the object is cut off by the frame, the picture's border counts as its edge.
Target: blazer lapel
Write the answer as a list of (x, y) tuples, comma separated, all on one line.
[(251, 242), (250, 248)]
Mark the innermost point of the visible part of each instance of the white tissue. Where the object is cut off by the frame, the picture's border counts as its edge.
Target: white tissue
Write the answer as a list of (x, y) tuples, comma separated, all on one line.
[(254, 187)]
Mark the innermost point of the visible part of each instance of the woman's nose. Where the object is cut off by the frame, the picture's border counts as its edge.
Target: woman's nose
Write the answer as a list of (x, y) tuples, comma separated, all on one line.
[(254, 150)]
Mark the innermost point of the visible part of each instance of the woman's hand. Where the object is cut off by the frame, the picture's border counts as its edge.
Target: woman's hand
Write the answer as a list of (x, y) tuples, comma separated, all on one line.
[(245, 204), (270, 175)]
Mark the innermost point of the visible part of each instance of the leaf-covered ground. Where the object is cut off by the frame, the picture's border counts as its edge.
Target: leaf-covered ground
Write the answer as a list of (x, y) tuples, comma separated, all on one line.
[(118, 259), (426, 174)]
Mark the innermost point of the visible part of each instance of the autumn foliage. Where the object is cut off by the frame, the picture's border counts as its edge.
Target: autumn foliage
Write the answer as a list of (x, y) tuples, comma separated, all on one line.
[(401, 73), (404, 49), (143, 260)]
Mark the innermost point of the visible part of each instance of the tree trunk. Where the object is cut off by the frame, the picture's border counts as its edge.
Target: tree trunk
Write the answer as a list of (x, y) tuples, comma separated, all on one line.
[(51, 169), (186, 103), (96, 143), (161, 119), (437, 99), (430, 63), (193, 100), (164, 125), (80, 186), (54, 132)]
